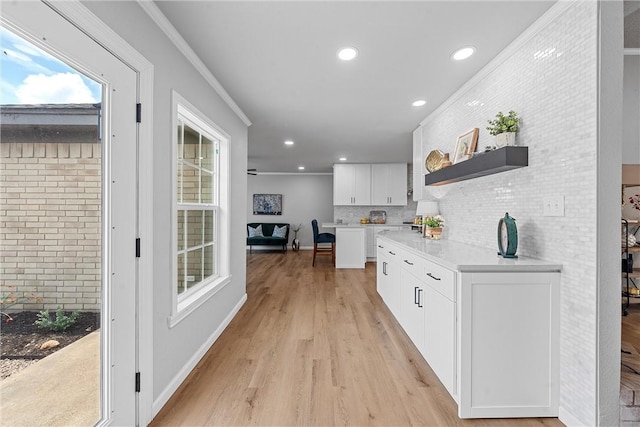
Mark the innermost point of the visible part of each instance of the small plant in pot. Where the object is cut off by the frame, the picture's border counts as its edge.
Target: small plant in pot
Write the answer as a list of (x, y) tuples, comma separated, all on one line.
[(433, 226), (504, 128)]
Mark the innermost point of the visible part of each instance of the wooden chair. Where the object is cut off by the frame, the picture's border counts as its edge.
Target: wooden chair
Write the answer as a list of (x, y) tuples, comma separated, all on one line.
[(323, 239)]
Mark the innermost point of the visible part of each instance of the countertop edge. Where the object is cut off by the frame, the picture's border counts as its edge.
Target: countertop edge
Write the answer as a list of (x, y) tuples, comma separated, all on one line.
[(522, 264)]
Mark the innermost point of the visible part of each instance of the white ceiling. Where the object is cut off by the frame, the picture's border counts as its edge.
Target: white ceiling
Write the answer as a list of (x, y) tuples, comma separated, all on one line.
[(277, 60)]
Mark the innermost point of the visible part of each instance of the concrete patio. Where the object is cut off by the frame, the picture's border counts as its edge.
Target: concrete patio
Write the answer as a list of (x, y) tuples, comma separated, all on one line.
[(62, 389)]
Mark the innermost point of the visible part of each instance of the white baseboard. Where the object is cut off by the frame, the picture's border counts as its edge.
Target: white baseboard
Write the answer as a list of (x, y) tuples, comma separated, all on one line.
[(166, 394), (568, 419)]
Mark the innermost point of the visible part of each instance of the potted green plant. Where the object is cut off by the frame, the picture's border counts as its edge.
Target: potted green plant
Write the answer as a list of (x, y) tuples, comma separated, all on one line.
[(504, 128), (433, 226)]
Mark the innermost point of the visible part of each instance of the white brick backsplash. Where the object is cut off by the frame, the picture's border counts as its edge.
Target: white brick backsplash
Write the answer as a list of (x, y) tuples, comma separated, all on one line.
[(551, 82), (50, 200)]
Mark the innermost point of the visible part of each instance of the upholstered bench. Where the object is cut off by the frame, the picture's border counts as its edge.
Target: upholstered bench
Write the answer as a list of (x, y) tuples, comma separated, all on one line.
[(262, 234)]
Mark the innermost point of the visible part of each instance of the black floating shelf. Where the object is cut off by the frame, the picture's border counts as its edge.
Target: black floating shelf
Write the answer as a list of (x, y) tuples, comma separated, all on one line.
[(500, 160)]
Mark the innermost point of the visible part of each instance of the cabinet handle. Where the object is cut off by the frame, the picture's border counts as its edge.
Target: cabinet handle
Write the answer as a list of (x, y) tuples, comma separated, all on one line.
[(420, 298), (415, 295), (392, 253), (410, 263), (381, 246), (432, 276)]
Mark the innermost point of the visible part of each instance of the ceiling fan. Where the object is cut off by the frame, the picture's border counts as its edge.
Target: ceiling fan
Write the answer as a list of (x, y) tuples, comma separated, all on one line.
[(252, 171)]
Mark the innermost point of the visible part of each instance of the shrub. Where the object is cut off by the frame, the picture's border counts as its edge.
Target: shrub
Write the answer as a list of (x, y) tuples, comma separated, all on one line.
[(61, 323)]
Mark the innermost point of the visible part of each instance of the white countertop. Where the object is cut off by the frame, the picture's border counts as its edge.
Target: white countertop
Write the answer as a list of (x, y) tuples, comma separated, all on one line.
[(357, 224), (463, 256)]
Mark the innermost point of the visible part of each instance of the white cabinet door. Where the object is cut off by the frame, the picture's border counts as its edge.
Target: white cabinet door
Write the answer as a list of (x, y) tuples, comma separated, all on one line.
[(389, 281), (362, 184), (509, 344), (413, 312), (439, 337), (389, 184), (418, 165), (343, 178), (352, 184)]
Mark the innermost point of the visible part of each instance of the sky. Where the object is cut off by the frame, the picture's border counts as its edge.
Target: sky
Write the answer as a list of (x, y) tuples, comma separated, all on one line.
[(28, 75)]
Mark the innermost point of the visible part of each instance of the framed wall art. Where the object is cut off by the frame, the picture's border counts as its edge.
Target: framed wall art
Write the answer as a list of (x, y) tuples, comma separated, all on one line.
[(267, 204), (466, 145)]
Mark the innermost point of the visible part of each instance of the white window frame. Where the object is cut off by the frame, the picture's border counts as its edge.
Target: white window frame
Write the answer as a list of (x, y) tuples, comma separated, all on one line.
[(187, 302)]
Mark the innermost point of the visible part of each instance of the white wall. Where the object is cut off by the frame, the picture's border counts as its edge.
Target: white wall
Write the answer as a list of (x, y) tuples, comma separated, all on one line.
[(551, 80), (304, 197), (173, 349), (631, 110)]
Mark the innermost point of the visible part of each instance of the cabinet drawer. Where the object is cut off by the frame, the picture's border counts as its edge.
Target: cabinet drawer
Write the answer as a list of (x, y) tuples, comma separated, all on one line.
[(412, 263), (388, 249), (439, 278)]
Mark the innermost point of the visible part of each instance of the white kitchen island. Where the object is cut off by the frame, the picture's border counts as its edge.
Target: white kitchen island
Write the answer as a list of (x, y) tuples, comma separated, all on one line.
[(487, 326), (355, 243)]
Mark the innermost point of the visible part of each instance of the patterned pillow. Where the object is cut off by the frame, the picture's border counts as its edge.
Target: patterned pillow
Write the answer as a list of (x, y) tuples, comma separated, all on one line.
[(280, 231), (255, 232)]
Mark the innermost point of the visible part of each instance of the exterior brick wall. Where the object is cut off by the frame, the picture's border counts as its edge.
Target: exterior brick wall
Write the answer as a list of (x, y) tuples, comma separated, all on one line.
[(50, 224)]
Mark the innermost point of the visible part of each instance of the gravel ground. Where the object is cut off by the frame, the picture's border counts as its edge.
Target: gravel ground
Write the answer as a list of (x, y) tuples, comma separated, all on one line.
[(11, 366)]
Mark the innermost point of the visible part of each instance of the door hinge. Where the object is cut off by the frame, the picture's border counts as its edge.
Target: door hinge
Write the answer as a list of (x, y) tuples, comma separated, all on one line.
[(138, 113), (137, 382), (137, 247)]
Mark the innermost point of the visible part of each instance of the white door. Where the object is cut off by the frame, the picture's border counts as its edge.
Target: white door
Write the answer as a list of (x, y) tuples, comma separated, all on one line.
[(38, 23)]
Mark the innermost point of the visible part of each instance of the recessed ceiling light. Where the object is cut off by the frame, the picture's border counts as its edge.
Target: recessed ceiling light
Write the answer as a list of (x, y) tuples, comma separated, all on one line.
[(343, 159), (347, 53), (301, 168), (463, 53), (288, 142), (419, 103)]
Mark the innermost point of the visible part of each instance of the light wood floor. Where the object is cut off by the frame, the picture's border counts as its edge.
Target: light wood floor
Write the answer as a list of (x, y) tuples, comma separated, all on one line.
[(314, 346)]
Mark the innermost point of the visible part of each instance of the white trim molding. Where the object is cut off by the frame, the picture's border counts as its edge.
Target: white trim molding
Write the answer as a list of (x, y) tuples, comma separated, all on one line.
[(632, 51), (165, 25)]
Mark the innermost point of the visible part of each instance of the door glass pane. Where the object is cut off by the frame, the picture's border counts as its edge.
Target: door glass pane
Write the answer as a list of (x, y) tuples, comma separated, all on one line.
[(51, 228)]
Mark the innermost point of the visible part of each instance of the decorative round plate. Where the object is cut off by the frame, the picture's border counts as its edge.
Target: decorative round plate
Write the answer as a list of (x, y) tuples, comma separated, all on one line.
[(434, 160)]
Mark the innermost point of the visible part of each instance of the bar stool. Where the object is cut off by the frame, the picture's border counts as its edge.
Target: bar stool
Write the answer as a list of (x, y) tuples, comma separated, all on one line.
[(323, 238)]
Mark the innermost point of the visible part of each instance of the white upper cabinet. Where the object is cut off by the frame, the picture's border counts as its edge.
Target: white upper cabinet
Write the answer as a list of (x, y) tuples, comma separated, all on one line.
[(418, 165), (352, 184), (389, 184)]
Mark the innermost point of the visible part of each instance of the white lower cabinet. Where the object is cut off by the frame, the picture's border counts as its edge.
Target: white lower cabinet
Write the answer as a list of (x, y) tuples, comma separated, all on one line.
[(490, 331), (388, 277)]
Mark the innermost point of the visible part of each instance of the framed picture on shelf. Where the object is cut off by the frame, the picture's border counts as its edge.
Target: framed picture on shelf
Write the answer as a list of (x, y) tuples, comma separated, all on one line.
[(466, 145), (267, 204)]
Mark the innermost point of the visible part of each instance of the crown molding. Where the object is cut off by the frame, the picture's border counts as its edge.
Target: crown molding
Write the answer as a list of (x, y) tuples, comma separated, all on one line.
[(163, 23), (542, 22)]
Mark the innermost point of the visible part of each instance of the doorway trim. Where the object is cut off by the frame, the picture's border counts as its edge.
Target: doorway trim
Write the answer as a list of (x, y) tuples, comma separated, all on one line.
[(90, 24)]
